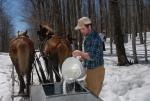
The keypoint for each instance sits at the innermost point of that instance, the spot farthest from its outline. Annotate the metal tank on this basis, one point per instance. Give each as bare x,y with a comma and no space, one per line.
54,92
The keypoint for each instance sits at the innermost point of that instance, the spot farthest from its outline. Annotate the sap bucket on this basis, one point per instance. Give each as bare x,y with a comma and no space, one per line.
72,69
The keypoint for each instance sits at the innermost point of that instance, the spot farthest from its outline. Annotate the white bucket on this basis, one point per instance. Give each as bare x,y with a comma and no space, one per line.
72,69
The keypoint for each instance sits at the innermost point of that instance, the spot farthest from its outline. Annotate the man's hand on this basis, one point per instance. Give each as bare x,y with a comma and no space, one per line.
83,55
76,53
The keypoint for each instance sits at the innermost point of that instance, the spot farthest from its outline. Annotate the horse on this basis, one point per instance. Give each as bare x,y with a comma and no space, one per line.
21,52
55,48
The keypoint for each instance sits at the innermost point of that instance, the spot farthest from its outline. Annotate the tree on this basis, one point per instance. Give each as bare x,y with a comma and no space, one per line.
114,8
5,28
140,18
134,30
145,34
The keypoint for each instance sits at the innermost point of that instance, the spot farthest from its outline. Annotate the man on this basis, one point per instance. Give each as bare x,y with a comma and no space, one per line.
92,55
103,38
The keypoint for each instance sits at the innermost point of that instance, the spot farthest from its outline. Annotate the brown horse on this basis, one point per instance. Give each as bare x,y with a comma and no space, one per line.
22,52
55,49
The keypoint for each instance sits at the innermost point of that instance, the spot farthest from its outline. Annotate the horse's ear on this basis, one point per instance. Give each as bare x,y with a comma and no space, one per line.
18,32
26,32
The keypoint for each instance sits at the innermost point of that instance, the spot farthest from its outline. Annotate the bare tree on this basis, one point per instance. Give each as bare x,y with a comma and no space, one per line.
140,18
122,59
145,33
5,28
134,30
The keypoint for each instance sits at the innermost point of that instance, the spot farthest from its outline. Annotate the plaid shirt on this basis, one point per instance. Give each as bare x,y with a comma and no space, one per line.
92,44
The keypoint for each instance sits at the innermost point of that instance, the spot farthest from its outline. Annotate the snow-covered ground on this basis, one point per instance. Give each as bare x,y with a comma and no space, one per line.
127,83
123,83
5,77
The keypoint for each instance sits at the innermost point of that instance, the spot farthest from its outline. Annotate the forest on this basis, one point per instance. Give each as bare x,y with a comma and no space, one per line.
120,19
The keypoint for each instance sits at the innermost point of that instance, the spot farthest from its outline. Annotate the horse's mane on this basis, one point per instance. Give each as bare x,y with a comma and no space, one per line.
47,26
22,34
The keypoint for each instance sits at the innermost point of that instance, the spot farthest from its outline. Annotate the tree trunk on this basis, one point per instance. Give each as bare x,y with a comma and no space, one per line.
111,43
134,31
140,20
145,46
134,43
101,14
114,8
145,34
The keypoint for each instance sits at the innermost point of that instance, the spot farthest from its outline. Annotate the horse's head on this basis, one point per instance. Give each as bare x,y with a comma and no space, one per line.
25,34
44,32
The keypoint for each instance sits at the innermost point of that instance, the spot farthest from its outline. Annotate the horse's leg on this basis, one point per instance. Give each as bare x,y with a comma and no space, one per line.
21,80
22,84
63,53
28,78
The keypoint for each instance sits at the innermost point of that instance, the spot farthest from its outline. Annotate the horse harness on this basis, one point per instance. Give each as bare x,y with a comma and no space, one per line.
46,40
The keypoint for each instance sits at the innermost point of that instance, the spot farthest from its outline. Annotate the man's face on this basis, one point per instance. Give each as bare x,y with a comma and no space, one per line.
85,30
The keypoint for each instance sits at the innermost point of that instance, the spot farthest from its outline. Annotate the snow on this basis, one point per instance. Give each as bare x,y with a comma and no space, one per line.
5,77
121,83
127,83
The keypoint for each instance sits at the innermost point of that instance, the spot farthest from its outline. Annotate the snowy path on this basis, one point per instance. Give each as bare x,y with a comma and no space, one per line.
5,77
